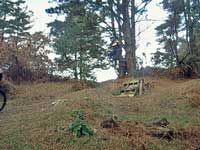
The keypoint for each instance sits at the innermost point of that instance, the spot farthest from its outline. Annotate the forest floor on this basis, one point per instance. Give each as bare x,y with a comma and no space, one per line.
38,116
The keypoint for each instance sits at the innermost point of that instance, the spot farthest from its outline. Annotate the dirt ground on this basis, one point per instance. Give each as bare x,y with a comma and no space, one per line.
38,115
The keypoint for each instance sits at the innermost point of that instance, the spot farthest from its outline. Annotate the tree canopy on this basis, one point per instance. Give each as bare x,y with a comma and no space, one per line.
78,39
179,34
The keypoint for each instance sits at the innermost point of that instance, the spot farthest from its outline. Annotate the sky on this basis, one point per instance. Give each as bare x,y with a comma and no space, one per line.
146,41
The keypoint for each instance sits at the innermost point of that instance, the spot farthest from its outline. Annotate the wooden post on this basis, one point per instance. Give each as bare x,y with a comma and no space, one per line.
141,84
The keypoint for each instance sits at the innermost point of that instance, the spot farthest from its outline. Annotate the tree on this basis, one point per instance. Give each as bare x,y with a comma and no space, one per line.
21,24
15,19
120,18
163,59
169,38
78,39
6,9
30,61
183,17
37,53
24,55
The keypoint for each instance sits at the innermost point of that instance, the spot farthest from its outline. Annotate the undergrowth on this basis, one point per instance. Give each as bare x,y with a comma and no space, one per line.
79,127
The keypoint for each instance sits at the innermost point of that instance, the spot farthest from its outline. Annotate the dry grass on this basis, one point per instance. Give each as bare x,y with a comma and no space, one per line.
195,101
191,135
81,85
192,92
37,117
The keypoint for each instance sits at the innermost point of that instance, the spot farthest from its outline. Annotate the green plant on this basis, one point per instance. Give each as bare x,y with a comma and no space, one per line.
116,92
79,127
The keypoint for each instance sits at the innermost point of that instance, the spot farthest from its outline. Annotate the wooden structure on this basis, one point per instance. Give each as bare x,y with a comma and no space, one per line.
132,88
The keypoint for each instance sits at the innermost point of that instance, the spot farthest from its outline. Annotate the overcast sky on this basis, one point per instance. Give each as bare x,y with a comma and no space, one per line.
146,41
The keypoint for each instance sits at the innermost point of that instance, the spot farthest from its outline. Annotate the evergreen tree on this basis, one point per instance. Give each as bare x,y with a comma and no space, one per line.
6,9
78,40
183,17
21,23
169,38
119,19
14,19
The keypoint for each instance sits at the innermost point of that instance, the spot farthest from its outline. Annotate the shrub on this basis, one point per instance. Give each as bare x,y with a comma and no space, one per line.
180,72
116,92
79,127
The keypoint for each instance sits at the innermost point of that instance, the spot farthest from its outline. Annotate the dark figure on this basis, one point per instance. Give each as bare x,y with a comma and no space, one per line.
1,74
116,56
123,67
116,52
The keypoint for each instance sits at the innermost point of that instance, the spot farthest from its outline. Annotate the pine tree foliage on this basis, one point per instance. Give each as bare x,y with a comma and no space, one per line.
78,39
14,19
179,33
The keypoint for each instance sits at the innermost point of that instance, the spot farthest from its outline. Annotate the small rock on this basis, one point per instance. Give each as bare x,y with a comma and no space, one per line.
95,130
62,128
110,123
157,122
104,138
161,132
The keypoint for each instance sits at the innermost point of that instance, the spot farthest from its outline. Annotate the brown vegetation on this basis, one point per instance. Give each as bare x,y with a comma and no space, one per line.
180,72
83,84
190,134
28,60
195,101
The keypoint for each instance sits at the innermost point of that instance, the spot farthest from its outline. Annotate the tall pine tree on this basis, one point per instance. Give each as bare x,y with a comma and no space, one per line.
183,20
78,39
6,10
21,23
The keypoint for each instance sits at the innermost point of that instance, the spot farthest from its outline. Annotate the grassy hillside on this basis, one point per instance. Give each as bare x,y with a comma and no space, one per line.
38,116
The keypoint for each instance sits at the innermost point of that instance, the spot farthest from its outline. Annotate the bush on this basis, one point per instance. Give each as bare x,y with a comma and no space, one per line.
79,127
116,92
180,72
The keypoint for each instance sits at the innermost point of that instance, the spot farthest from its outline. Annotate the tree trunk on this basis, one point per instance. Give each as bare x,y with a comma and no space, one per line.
81,64
127,37
2,32
75,67
176,39
118,21
133,35
187,29
192,41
